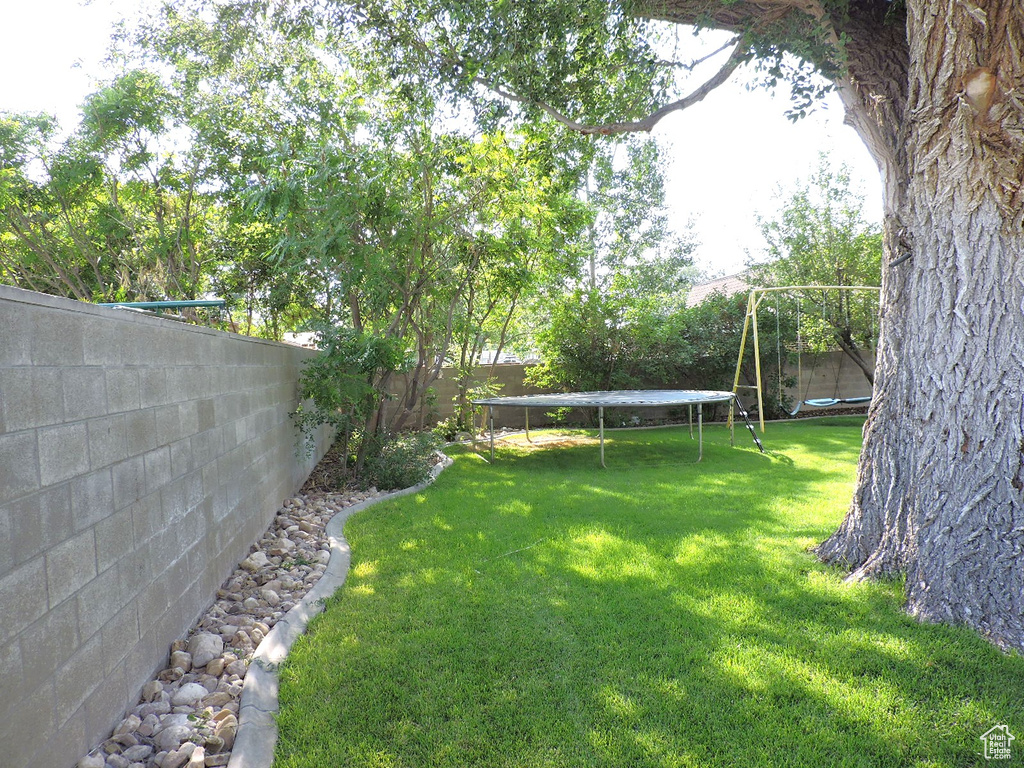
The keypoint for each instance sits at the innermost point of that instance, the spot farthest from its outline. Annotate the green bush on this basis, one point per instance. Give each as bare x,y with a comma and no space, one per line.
401,461
447,429
594,341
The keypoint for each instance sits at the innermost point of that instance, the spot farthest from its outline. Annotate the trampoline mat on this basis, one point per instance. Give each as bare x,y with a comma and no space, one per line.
618,398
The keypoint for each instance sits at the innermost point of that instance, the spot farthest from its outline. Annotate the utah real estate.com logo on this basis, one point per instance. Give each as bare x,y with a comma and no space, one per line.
997,742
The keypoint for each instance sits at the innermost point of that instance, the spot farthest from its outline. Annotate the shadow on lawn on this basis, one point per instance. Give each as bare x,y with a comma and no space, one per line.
545,612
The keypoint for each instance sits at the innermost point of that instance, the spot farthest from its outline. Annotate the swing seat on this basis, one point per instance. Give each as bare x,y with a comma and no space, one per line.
828,402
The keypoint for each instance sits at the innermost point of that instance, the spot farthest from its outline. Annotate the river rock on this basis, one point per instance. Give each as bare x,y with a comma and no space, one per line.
156,708
171,739
225,729
151,691
178,757
150,725
216,699
282,547
177,718
198,758
125,739
255,562
138,753
205,647
129,725
188,695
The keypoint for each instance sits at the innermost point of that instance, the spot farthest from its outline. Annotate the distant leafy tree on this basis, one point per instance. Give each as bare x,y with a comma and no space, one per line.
605,326
630,233
820,237
108,214
598,342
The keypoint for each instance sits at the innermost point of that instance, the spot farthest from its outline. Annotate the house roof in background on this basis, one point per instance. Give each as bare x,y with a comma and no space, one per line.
305,339
727,285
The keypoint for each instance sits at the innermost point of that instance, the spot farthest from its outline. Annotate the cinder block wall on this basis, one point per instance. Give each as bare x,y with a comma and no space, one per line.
509,378
831,374
139,459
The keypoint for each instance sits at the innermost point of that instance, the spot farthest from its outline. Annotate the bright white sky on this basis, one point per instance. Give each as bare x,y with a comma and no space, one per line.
729,156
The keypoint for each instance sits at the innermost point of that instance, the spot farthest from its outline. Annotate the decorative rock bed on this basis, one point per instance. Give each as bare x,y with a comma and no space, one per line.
188,717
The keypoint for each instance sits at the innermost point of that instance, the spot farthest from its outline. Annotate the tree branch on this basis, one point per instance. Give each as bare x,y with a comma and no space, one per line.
646,124
697,62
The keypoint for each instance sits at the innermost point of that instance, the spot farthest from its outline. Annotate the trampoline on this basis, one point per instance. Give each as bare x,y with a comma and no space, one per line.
637,398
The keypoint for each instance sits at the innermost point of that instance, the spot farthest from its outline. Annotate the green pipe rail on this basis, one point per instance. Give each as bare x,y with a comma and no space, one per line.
160,305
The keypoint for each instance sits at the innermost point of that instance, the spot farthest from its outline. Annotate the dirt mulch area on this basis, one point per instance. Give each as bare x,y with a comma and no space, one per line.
329,476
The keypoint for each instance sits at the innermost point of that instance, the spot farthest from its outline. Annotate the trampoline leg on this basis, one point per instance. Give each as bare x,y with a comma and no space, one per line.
732,424
490,419
689,410
600,423
700,431
526,412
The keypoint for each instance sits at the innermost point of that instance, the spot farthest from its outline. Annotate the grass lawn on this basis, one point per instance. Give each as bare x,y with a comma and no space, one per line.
541,611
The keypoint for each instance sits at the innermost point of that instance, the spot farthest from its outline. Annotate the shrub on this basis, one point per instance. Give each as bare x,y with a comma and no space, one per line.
447,429
400,461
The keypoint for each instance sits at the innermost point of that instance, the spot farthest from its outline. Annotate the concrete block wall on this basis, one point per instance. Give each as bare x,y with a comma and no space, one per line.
139,460
830,374
510,380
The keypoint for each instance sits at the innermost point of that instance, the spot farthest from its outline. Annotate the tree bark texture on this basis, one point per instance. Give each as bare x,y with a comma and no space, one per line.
966,314
875,536
939,493
936,90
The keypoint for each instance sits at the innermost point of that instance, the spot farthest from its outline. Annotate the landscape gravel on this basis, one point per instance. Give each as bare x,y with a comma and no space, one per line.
187,716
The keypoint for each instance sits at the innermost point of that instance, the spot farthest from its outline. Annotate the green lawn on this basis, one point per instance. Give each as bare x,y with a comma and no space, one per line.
541,611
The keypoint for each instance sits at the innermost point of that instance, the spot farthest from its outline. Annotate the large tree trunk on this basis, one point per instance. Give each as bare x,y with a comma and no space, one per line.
874,537
939,492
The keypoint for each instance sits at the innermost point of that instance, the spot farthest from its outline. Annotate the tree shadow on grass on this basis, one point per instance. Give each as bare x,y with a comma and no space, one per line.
538,613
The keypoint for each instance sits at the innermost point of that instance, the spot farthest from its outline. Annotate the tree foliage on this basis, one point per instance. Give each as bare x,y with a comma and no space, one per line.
360,194
344,192
930,87
820,237
106,214
612,341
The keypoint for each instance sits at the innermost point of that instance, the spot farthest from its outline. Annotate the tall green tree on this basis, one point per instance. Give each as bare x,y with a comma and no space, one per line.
604,327
932,88
630,232
351,199
820,237
112,213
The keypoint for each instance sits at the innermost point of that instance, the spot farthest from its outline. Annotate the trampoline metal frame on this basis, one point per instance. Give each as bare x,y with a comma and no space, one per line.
616,399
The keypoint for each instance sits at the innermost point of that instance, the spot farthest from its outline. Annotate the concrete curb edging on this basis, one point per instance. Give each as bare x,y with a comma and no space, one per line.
257,724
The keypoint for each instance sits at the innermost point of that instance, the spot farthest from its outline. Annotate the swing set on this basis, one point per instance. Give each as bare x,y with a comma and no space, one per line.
754,299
